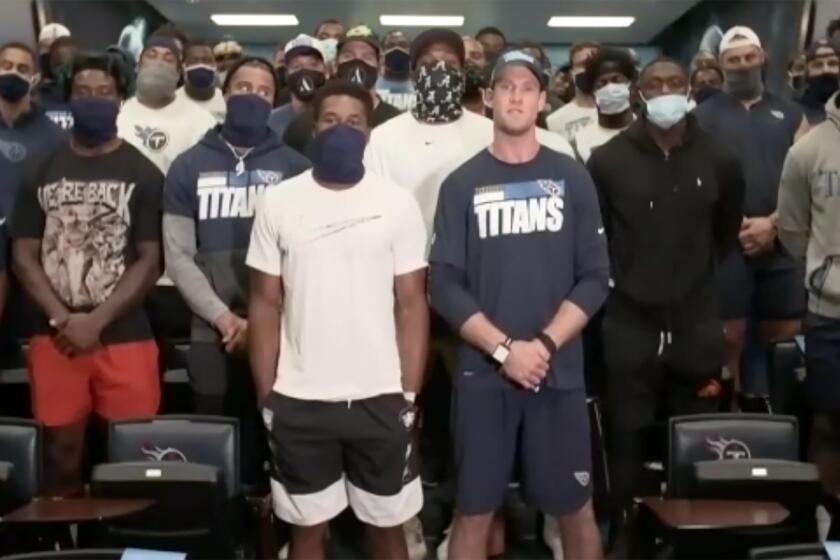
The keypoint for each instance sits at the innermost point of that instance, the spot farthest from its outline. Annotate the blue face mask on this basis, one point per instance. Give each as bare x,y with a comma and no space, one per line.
94,120
337,155
667,110
13,86
201,76
246,122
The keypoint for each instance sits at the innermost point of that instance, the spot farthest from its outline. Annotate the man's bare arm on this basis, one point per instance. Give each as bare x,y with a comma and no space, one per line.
28,268
264,311
411,313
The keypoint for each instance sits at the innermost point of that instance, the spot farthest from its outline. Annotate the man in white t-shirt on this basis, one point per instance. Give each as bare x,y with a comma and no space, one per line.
581,110
339,332
420,148
610,74
156,121
200,80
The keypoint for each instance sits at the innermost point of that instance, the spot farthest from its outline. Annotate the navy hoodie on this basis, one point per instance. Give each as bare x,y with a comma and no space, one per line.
205,185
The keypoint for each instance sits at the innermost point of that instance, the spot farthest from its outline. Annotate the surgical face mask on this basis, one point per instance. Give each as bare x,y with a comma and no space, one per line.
330,49
201,76
337,155
246,120
745,84
666,111
304,83
94,120
157,81
358,72
14,86
613,99
397,63
821,88
440,91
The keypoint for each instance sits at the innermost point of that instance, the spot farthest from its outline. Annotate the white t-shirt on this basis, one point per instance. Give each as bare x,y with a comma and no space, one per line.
216,105
590,137
163,134
419,156
338,253
570,118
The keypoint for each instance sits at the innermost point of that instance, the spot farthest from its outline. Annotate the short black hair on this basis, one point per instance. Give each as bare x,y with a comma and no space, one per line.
833,27
327,21
173,32
254,61
490,30
111,65
576,48
21,47
194,43
336,87
662,60
704,66
619,59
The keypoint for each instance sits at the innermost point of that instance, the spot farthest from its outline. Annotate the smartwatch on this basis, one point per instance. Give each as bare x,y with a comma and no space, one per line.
502,351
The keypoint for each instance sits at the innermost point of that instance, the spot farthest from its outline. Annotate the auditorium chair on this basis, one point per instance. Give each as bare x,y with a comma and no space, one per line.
806,551
768,448
21,446
173,457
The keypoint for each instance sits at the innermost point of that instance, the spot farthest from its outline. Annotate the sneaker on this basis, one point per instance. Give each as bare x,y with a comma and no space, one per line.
414,539
443,547
551,537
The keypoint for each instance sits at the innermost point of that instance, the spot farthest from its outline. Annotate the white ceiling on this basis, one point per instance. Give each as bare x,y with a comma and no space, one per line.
519,19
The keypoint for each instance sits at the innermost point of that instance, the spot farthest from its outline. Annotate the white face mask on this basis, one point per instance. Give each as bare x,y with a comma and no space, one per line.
667,110
613,99
330,48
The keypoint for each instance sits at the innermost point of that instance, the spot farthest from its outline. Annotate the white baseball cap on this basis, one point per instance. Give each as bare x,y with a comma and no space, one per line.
739,36
303,43
53,31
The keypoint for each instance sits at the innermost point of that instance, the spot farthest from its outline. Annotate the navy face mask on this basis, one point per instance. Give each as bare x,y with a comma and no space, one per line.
13,86
337,155
94,120
246,122
398,62
201,76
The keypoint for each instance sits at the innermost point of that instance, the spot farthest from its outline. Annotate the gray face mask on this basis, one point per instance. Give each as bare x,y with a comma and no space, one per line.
156,82
744,84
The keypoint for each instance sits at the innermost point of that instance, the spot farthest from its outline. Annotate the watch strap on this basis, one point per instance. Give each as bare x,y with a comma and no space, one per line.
548,342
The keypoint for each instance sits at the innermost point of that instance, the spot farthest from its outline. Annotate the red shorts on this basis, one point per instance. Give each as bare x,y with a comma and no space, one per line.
115,381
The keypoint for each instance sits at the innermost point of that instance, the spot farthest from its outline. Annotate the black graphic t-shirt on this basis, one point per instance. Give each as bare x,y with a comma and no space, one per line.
90,213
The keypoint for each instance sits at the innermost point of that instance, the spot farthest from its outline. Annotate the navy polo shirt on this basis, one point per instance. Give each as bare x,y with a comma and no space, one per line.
759,137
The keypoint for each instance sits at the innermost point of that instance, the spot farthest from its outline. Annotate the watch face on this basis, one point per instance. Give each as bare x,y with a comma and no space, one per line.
500,354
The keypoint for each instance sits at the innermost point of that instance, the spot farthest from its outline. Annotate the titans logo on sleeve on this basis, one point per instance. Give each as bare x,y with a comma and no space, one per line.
225,194
519,208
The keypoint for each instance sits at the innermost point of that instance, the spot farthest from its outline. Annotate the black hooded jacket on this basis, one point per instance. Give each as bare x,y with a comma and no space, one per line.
669,217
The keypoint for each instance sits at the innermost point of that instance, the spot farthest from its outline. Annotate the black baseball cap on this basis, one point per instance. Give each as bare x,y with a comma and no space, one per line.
437,35
519,58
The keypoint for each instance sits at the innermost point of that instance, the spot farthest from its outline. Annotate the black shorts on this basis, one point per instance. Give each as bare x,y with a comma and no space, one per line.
760,291
494,421
822,363
326,455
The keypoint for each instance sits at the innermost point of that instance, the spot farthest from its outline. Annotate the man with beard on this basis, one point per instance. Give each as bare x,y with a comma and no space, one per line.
206,232
305,74
200,79
358,63
88,256
822,70
762,299
519,391
156,121
474,79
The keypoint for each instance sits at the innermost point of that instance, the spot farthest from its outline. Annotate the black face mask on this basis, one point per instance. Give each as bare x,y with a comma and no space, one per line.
281,77
397,63
819,89
705,93
44,65
580,81
304,83
358,72
13,86
474,80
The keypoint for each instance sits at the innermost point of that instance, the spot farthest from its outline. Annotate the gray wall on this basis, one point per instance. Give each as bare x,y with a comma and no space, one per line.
16,21
826,10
